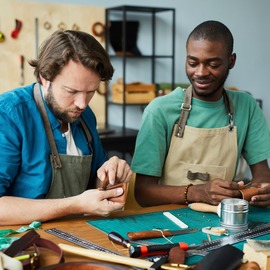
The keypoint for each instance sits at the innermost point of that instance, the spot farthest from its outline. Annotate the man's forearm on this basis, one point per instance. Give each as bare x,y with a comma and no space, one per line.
14,210
260,172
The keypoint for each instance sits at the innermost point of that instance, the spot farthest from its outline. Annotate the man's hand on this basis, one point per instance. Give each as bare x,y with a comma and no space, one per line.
96,202
218,189
116,170
263,198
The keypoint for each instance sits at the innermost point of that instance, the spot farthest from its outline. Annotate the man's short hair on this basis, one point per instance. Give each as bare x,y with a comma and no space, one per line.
213,31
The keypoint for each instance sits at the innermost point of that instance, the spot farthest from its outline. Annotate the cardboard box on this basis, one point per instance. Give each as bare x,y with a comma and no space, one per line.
135,93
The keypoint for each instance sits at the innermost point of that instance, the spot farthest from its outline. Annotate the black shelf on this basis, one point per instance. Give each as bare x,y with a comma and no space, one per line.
122,13
139,9
141,56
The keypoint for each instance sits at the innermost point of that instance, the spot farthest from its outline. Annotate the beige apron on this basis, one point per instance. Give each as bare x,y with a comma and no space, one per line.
197,155
70,174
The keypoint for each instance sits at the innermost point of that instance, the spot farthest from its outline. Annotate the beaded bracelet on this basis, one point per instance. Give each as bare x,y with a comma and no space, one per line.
186,192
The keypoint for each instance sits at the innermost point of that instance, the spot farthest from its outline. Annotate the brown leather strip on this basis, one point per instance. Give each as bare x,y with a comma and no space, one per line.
198,175
23,243
32,238
47,126
185,109
45,243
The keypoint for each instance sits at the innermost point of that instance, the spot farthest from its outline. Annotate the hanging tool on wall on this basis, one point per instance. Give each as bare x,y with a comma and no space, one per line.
22,69
16,31
98,29
2,36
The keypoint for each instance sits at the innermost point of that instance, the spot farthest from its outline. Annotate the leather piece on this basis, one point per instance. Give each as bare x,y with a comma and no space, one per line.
84,266
227,257
32,240
123,197
248,193
177,255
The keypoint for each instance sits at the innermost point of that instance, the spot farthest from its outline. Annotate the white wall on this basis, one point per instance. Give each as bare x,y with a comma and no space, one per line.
249,22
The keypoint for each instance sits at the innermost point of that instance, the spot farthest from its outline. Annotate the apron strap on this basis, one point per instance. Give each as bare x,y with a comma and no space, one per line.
185,109
46,122
230,109
88,134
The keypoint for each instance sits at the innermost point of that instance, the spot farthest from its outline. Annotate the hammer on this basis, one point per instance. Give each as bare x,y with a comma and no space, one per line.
104,256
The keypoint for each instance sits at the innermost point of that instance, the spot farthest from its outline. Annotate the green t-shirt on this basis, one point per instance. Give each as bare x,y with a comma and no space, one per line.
153,140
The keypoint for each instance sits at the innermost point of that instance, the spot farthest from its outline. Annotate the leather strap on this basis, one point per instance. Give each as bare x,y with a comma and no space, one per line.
47,125
32,238
185,109
23,243
197,175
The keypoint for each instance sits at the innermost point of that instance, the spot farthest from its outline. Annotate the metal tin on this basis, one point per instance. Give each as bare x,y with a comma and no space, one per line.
234,214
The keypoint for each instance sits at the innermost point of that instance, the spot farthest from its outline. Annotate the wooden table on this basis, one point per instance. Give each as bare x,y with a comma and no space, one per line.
77,226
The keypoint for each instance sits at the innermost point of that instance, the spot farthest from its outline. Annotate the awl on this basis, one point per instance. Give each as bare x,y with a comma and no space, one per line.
157,233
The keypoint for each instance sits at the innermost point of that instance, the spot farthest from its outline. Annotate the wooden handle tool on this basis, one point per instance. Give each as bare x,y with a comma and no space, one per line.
147,234
104,256
204,207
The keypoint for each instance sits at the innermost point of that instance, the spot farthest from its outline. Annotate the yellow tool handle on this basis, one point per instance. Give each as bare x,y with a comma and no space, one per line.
204,207
104,256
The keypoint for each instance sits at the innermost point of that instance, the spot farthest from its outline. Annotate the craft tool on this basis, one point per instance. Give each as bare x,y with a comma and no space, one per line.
144,251
87,244
18,25
104,256
176,220
233,239
118,239
218,231
78,241
204,207
203,248
176,266
22,69
157,233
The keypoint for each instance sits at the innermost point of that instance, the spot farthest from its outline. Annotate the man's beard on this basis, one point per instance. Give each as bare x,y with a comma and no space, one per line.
59,113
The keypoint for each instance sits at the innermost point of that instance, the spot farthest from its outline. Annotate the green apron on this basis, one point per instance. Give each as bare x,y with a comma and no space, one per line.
70,174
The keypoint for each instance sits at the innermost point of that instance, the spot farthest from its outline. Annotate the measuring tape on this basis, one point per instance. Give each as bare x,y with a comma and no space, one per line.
236,238
79,241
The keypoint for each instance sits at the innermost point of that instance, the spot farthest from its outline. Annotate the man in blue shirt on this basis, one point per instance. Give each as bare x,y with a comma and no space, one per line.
51,154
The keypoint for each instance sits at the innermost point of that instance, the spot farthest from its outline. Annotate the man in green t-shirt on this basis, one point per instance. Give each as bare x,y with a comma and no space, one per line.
191,140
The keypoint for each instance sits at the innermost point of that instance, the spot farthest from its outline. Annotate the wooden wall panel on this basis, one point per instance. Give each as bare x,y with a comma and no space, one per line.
33,17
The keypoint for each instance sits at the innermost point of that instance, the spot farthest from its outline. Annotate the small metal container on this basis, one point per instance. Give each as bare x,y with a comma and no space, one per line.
234,214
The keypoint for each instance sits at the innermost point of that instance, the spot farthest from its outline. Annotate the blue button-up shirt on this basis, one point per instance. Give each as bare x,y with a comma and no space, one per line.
25,169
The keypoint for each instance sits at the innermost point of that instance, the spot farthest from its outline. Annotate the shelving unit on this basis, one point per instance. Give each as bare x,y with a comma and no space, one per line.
124,13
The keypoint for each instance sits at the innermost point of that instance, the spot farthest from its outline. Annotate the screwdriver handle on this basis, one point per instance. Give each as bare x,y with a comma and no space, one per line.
144,251
118,239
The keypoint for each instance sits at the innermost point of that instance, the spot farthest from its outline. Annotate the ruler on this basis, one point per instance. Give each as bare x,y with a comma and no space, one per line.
79,241
233,239
89,245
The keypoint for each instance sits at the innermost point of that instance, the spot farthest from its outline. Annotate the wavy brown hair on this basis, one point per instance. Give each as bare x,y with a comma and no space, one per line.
62,46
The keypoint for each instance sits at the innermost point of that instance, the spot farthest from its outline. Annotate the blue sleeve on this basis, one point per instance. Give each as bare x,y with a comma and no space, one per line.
10,149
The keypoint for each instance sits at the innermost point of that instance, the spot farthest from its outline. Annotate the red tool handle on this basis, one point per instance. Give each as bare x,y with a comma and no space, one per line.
144,251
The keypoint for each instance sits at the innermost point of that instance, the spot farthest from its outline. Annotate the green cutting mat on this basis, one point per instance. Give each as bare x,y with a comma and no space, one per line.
193,219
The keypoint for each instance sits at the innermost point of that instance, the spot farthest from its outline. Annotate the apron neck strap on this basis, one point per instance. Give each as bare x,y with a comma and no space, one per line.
186,107
47,126
230,109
